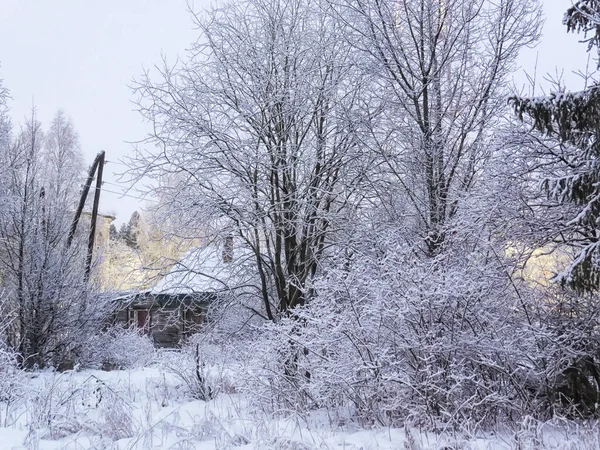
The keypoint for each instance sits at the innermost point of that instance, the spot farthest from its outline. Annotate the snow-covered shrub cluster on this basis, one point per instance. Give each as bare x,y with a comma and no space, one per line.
12,386
205,364
398,339
61,407
117,348
450,343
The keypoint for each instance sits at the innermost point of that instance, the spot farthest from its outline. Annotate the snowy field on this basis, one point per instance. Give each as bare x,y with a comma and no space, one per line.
152,407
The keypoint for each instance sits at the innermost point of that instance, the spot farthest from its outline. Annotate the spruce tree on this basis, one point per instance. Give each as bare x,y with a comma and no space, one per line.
113,233
129,231
573,119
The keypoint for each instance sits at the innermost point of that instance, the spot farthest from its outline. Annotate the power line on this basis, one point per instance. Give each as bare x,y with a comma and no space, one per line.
127,195
112,184
120,194
117,163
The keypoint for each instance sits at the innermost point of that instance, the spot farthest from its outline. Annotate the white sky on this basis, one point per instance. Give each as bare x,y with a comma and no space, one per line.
80,55
558,51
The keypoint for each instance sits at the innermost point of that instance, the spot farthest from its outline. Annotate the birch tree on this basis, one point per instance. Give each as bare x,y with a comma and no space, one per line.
5,122
63,161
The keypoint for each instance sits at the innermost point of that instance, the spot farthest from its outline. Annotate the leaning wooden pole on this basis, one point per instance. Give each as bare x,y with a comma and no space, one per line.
88,262
82,199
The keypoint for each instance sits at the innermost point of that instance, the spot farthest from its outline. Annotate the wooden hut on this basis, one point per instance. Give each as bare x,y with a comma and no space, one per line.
178,305
168,318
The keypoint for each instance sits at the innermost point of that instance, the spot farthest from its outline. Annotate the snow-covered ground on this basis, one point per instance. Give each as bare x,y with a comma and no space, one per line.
152,408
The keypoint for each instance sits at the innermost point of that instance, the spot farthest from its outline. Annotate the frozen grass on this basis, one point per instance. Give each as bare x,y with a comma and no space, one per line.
155,408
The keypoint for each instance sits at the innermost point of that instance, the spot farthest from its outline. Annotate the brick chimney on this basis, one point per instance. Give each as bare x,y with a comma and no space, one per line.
228,249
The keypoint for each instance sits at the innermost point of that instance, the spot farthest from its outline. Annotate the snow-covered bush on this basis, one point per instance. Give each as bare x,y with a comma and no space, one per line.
12,387
200,365
459,341
437,343
62,406
118,348
9,366
567,376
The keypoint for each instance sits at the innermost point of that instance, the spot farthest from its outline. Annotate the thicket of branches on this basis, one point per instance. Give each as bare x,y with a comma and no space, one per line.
48,308
365,153
365,159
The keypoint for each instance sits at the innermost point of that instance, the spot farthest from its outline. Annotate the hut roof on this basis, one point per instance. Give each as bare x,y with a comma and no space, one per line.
204,270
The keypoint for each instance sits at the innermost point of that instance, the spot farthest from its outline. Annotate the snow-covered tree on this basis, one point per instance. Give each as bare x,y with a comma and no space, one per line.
420,316
560,152
130,231
440,70
255,135
571,154
48,299
584,16
63,161
113,233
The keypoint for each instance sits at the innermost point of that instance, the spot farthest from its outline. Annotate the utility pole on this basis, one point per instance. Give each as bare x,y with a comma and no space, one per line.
98,165
88,262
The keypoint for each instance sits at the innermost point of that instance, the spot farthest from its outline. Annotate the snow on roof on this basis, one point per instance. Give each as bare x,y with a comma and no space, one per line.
203,269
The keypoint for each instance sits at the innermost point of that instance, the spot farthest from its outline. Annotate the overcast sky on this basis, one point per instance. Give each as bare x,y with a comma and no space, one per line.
80,55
